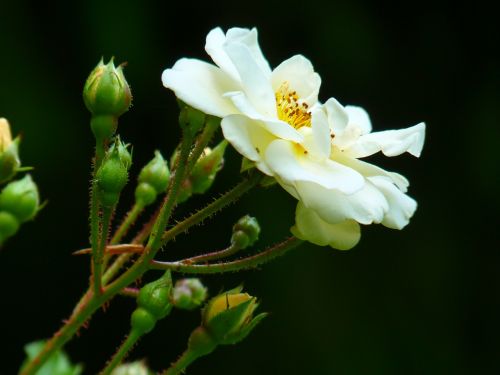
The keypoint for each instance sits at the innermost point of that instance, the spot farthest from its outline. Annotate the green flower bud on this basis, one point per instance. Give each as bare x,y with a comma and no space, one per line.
228,318
188,294
20,198
206,168
245,232
155,297
106,91
133,368
153,180
142,321
191,119
112,175
8,226
9,155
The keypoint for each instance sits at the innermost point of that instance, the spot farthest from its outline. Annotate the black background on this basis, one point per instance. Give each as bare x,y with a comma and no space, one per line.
419,301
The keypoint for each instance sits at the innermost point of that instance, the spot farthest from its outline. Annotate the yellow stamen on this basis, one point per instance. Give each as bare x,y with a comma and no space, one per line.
290,108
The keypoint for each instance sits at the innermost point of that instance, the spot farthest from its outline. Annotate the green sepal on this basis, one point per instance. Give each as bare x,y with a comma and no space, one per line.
246,329
57,364
246,164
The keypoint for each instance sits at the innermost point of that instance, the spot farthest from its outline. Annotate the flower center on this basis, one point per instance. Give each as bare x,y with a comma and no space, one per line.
290,108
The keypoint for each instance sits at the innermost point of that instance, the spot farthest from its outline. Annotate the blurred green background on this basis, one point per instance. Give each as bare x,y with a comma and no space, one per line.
424,300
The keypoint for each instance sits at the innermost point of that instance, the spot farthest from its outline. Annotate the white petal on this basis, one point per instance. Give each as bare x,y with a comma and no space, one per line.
310,227
390,142
359,118
366,206
250,39
214,47
249,138
401,206
291,163
256,85
337,116
201,85
299,73
321,133
370,170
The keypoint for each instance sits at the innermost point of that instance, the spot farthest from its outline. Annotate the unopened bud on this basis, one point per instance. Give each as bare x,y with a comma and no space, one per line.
20,198
155,296
9,155
142,321
153,180
206,168
112,175
228,318
245,232
107,96
188,294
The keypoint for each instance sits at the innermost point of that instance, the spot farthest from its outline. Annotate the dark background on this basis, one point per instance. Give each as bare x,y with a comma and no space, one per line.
424,300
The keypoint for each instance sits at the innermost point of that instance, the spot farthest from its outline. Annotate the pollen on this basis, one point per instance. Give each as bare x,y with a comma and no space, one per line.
290,108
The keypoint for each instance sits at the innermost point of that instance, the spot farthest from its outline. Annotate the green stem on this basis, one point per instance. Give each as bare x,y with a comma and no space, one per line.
121,353
181,364
130,292
130,219
98,251
237,265
202,141
228,198
231,250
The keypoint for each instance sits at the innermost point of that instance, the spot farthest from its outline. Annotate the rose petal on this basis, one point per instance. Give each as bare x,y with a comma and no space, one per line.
310,227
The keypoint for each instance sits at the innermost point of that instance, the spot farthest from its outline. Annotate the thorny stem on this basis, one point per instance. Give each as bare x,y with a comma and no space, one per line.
181,364
98,252
226,199
90,302
121,353
237,265
130,219
231,250
130,292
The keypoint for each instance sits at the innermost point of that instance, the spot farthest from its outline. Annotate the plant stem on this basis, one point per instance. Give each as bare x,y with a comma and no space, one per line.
130,219
90,302
228,198
231,250
237,265
98,251
121,353
202,142
181,364
130,292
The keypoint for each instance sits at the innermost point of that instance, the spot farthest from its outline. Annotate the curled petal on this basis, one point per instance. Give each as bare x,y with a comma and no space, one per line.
370,170
390,142
291,163
359,118
401,206
299,74
366,206
310,227
337,116
201,85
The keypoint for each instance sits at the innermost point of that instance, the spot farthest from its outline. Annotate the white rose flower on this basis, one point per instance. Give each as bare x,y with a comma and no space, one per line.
329,216
273,118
